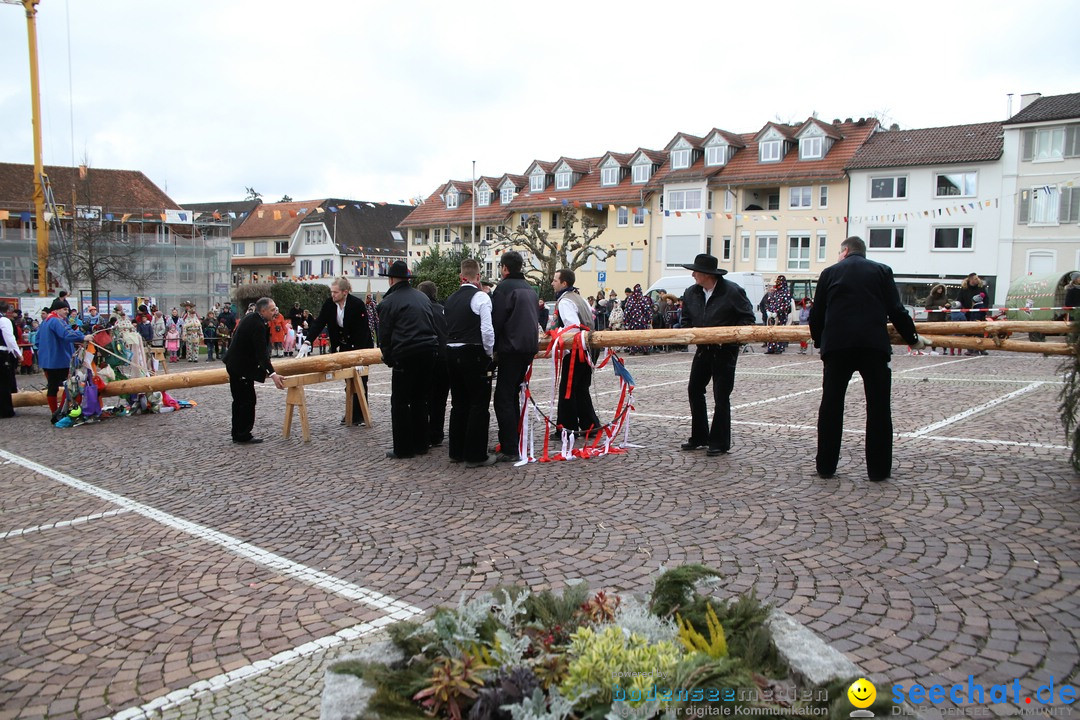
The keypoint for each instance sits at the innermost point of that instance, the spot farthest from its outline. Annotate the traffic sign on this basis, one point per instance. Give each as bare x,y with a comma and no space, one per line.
601,276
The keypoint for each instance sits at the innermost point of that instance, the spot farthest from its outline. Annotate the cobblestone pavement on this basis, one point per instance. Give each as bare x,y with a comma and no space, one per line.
149,560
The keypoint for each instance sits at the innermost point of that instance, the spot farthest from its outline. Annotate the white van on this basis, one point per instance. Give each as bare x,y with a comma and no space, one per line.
753,283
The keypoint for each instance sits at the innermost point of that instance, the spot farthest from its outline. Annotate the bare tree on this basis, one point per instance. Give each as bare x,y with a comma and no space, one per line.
93,249
550,253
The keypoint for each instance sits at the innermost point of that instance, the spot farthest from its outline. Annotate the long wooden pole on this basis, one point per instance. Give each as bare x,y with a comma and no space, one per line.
620,338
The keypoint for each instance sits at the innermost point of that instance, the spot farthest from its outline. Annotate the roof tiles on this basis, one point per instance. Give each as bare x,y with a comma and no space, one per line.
980,142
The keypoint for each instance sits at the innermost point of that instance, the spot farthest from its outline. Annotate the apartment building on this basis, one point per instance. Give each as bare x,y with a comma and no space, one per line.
928,204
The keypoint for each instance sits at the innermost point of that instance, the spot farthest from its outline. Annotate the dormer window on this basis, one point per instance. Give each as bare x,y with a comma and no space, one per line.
770,150
562,180
609,176
811,148
716,155
483,195
507,194
680,159
451,200
642,172
537,180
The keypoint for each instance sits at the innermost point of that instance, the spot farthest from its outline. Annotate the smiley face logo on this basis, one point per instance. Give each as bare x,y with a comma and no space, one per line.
862,693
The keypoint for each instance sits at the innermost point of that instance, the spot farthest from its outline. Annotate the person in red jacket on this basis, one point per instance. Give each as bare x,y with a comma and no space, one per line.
277,334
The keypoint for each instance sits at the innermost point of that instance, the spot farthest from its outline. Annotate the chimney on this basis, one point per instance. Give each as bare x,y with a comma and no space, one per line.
1028,98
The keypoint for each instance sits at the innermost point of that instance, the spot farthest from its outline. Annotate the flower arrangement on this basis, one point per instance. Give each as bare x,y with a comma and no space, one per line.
517,655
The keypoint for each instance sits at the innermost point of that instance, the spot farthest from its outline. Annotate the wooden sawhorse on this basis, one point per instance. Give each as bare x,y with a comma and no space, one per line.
159,354
294,397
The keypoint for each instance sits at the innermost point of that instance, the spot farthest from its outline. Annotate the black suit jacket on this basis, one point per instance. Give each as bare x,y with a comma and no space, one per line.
249,353
355,335
854,300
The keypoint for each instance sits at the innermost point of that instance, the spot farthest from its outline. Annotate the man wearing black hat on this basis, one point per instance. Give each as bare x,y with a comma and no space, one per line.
408,342
712,302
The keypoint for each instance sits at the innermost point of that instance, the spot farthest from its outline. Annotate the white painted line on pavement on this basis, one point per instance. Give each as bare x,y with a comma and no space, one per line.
397,609
62,523
971,411
938,364
176,698
780,397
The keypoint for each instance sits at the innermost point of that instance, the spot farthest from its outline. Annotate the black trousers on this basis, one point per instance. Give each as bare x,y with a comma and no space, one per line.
874,368
243,406
576,412
715,364
512,369
54,380
7,386
470,397
440,390
410,392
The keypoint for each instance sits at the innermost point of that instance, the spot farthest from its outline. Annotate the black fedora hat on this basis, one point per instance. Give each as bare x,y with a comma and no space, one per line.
704,263
398,269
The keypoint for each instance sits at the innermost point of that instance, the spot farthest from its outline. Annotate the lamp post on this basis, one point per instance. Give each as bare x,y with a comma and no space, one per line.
39,169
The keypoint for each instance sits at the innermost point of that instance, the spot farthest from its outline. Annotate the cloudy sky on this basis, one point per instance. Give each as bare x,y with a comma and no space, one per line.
384,101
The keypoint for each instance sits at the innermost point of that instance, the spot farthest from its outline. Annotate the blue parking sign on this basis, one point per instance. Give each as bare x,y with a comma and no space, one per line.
601,276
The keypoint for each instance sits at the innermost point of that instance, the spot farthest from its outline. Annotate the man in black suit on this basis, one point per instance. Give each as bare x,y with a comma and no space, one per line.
408,342
345,318
854,299
248,362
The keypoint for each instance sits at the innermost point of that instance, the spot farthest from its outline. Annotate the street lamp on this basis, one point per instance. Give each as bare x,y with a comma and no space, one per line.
39,169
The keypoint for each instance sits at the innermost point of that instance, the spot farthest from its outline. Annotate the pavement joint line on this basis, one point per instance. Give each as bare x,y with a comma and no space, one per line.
62,523
971,411
302,573
176,698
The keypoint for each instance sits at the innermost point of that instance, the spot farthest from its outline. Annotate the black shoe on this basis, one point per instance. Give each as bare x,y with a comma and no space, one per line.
489,460
455,460
714,451
825,475
692,445
249,441
878,478
503,457
435,443
394,456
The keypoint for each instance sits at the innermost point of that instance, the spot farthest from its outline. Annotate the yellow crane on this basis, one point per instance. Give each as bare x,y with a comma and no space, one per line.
39,168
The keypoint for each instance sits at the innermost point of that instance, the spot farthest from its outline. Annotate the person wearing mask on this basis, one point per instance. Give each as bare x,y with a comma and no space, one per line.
470,344
515,317
56,345
854,299
712,302
408,343
248,362
575,408
345,318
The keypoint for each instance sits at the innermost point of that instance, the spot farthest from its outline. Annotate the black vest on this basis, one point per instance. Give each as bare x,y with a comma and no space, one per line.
462,324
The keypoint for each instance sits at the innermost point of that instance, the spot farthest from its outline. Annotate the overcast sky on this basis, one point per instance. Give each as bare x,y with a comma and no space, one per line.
385,101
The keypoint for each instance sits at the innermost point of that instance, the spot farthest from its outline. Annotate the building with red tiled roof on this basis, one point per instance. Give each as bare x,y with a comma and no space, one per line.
926,203
140,242
260,245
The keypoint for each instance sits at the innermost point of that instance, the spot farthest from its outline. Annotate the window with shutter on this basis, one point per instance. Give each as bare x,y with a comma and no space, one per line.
1072,141
1069,211
1029,145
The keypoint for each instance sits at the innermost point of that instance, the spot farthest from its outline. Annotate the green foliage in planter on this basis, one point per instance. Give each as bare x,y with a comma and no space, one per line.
693,641
452,687
699,672
408,636
550,609
596,656
510,687
394,686
1070,395
742,619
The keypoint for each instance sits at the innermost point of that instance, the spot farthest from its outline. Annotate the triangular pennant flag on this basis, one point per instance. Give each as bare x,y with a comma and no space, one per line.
332,209
48,216
183,217
126,217
232,215
162,217
108,216
5,215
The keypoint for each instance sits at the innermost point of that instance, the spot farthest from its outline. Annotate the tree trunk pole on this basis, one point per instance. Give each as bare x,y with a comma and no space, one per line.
620,338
